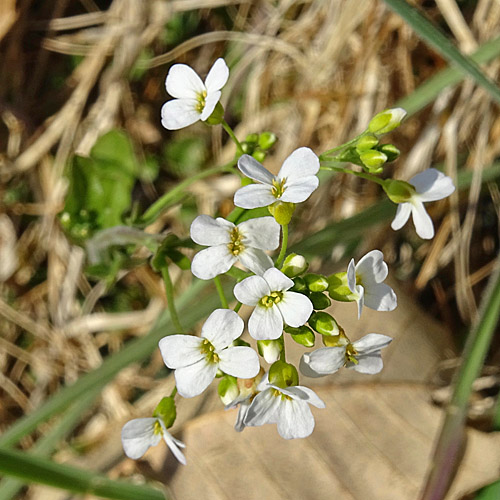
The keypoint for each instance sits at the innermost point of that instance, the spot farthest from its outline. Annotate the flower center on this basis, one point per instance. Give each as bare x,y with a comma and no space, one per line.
209,351
236,245
271,299
200,101
278,188
157,428
350,354
277,394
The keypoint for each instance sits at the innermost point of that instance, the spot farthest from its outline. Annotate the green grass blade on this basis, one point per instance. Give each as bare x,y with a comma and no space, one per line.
428,32
490,492
35,469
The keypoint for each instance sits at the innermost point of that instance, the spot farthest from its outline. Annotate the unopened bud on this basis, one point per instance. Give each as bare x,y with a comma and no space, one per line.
299,286
339,288
391,151
283,374
282,211
368,141
228,389
270,350
294,265
166,411
303,335
260,156
324,323
316,282
386,120
319,300
398,191
373,160
267,140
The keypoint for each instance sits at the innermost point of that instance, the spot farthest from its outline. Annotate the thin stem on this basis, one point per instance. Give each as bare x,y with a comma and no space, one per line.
282,353
231,134
323,156
284,244
174,391
237,307
363,175
220,291
169,290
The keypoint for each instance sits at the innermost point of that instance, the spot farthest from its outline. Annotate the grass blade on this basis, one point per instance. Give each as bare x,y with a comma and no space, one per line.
433,36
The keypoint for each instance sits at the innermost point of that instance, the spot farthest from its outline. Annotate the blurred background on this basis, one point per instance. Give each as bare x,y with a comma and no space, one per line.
82,151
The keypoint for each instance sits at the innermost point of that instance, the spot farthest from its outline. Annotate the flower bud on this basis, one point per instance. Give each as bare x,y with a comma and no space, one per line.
283,374
338,287
398,191
294,265
217,115
303,335
228,389
316,282
386,120
270,350
267,140
166,411
373,160
252,139
260,156
282,211
336,340
367,142
319,300
391,151
299,286
324,323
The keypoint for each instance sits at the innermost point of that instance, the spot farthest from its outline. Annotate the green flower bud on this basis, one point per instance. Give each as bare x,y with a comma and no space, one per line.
252,139
282,211
391,151
217,115
260,156
299,286
319,300
338,287
240,343
324,323
228,389
316,282
350,155
294,265
166,411
386,120
367,142
283,374
270,350
247,148
336,340
398,191
303,335
373,160
267,140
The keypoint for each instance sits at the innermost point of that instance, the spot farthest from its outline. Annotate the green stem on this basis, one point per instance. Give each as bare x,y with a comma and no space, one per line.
323,156
220,291
282,353
237,307
174,391
231,134
169,290
284,244
363,175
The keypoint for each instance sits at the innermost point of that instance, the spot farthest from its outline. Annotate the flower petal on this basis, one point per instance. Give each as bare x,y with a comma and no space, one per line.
254,196
210,102
301,163
183,82
371,268
179,113
250,167
295,419
295,308
240,362
432,185
402,216
194,379
422,221
371,343
212,261
369,364
206,230
323,361
261,232
239,425
256,260
138,435
180,350
298,190
222,327
361,299
217,76
263,409
381,297
265,323
276,280
304,394
251,290
173,445
351,276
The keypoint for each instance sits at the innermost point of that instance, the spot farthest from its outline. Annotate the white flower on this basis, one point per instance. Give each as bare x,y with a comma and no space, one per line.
195,100
140,434
430,185
294,183
289,408
274,305
363,356
196,360
228,244
365,280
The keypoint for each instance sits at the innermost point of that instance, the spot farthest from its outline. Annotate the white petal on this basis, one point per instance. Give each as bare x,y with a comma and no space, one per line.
371,268
361,299
173,445
179,113
298,190
304,394
263,409
295,419
251,290
212,261
265,323
402,216
239,425
183,82
432,185
381,298
276,280
250,167
206,230
240,362
369,364
194,379
351,276
210,102
180,350
301,163
217,76
222,327
322,361
261,232
254,196
256,260
422,221
295,308
371,343
138,436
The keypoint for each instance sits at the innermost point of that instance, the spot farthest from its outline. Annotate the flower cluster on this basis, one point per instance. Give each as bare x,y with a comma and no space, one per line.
285,299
